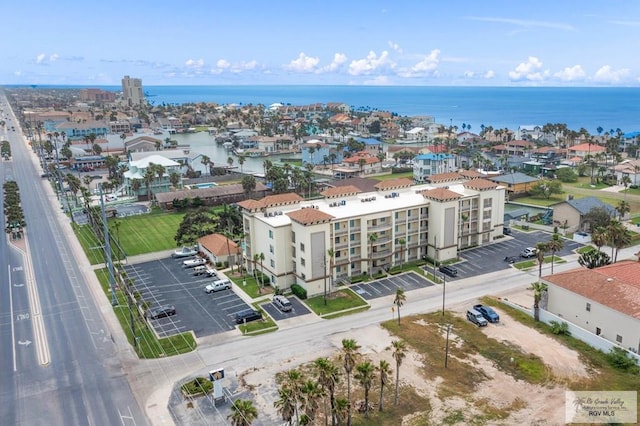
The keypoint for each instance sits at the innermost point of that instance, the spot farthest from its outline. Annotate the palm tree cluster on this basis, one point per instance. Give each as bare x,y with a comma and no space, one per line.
308,394
615,235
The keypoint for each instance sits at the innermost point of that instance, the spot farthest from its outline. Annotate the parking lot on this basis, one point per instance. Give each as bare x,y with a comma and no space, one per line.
274,312
490,258
388,286
167,282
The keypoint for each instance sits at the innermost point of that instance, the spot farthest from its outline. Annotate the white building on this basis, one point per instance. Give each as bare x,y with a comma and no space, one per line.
132,93
368,232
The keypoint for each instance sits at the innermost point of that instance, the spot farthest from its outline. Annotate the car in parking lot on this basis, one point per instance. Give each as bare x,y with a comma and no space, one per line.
247,316
192,263
452,271
476,318
511,259
282,303
218,286
528,252
184,252
161,312
488,313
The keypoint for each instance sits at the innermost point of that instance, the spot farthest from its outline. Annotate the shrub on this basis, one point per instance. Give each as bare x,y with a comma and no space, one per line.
619,359
560,328
197,386
299,291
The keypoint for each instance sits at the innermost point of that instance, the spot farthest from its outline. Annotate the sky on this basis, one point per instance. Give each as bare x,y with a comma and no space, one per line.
328,42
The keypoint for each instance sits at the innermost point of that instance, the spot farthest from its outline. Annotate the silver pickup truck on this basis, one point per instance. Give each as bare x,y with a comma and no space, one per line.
191,263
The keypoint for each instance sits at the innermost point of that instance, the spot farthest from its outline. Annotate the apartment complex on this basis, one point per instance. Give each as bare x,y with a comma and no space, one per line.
350,232
132,91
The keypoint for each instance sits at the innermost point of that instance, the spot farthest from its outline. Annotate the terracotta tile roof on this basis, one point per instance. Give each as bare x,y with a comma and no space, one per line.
444,177
480,184
616,286
394,183
271,201
440,194
217,244
586,147
309,216
356,160
471,174
340,191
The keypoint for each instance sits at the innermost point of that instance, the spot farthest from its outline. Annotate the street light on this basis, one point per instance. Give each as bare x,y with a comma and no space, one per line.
444,286
107,248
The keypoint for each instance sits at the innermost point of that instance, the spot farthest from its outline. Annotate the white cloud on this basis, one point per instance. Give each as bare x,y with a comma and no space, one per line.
53,57
194,63
395,46
426,67
223,64
574,73
380,80
524,23
610,76
338,60
40,58
489,74
370,64
469,74
530,70
303,63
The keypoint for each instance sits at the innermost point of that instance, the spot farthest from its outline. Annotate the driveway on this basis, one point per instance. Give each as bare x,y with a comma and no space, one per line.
298,309
388,286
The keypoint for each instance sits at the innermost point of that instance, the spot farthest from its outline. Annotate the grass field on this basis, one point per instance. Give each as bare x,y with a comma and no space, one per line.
146,233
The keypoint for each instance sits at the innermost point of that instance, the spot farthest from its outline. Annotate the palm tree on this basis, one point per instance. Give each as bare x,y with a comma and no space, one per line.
261,258
328,377
538,289
619,237
241,162
341,409
599,237
349,354
401,243
554,245
256,259
230,161
399,300
623,207
384,370
243,413
311,392
205,160
398,352
331,253
541,250
364,375
291,387
372,239
286,404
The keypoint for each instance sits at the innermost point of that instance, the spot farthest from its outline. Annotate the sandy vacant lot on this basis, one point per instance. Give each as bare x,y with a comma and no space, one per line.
529,404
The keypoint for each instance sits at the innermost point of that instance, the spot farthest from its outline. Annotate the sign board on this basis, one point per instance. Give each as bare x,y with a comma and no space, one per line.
216,374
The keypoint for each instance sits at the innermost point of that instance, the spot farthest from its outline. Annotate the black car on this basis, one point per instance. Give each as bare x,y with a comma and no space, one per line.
248,315
449,270
161,312
511,259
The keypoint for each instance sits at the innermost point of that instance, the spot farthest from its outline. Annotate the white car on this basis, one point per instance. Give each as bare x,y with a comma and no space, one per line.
529,252
192,263
185,252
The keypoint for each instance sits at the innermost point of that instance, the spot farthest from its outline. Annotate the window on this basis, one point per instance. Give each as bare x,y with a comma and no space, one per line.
271,249
352,223
293,237
302,247
352,237
598,331
302,261
337,253
271,234
618,338
273,263
588,307
336,226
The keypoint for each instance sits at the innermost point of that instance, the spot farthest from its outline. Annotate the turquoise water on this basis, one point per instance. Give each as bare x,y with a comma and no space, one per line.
204,185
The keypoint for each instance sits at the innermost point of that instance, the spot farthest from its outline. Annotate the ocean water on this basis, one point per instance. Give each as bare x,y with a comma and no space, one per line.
511,107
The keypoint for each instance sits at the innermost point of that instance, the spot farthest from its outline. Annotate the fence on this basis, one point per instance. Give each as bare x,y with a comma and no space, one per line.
546,228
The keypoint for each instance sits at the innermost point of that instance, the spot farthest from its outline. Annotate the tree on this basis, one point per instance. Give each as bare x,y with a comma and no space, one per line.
364,375
541,250
248,184
594,259
597,217
545,188
195,224
619,237
331,254
261,258
243,413
554,245
566,174
241,162
349,354
599,237
384,371
538,290
328,377
230,161
399,300
290,395
310,393
623,208
401,242
372,239
285,404
398,352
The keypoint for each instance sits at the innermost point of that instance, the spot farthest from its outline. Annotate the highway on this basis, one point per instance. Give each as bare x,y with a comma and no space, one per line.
58,361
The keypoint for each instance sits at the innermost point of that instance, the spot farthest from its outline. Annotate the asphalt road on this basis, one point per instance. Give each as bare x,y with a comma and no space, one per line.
59,363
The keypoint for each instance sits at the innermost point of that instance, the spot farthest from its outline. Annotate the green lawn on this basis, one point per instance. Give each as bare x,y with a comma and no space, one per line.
528,264
408,175
266,325
585,183
337,301
535,201
146,233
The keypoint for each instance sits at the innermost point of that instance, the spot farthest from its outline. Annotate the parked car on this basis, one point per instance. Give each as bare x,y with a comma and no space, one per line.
511,259
185,252
449,270
282,303
161,312
488,313
248,315
192,263
476,318
528,252
217,286
506,230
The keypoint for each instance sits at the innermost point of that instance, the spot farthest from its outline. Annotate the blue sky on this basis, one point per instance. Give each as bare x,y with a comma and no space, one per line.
351,42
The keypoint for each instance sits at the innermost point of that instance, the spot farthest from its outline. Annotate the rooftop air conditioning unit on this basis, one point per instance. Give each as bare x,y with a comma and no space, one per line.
344,202
280,213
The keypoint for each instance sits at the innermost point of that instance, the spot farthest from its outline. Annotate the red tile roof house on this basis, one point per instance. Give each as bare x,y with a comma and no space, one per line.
219,249
604,302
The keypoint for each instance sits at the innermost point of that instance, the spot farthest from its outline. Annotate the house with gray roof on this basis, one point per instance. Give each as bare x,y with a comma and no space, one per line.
573,211
516,183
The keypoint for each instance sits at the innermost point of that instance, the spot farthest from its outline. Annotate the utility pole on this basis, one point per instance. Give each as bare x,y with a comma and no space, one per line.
107,248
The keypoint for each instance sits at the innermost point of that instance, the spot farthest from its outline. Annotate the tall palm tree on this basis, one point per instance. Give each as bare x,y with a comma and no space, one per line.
349,354
372,239
399,300
538,289
364,375
261,258
541,250
331,254
328,377
285,404
384,371
401,243
554,245
241,162
599,237
243,413
293,384
311,392
398,352
341,409
619,237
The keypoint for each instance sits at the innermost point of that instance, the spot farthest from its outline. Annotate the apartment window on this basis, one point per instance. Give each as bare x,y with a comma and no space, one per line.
409,213
302,247
487,202
352,223
598,331
271,249
383,219
337,254
336,226
353,250
397,215
589,307
352,237
271,234
303,275
618,338
302,262
273,263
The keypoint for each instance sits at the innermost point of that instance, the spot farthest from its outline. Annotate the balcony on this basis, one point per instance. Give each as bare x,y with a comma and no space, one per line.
341,231
381,253
386,225
341,244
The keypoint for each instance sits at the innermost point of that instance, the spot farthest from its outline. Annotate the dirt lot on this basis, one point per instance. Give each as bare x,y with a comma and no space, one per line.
528,403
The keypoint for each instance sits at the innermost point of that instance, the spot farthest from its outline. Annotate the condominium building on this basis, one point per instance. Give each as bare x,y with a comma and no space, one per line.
132,93
321,242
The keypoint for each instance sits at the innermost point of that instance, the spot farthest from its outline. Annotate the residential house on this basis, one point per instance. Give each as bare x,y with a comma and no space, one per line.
516,183
530,132
212,196
585,149
359,164
604,301
219,249
367,231
630,168
78,131
142,144
152,184
425,165
573,211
